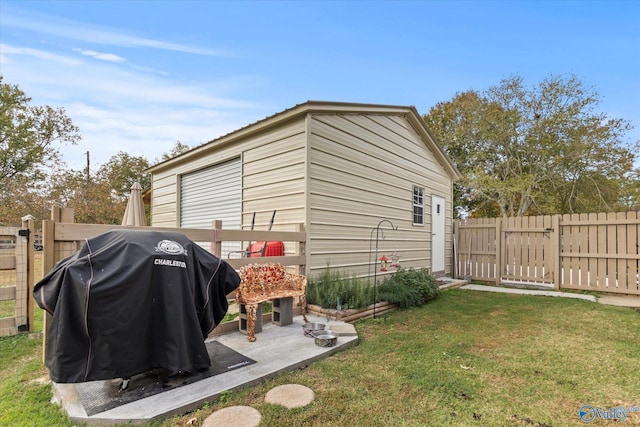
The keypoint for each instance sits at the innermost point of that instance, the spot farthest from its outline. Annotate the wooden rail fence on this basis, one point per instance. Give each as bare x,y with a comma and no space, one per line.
16,278
593,252
62,237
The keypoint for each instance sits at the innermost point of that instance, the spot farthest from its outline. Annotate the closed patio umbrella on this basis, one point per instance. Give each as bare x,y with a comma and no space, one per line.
134,213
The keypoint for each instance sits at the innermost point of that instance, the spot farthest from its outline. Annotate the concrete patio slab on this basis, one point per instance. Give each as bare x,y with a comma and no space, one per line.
276,349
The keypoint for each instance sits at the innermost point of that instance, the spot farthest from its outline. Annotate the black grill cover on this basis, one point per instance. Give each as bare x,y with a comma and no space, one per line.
131,301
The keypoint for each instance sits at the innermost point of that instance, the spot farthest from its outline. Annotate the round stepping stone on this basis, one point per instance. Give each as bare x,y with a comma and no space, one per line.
234,416
290,396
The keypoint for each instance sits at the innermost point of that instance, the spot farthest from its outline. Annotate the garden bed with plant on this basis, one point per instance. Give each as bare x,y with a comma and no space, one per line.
336,295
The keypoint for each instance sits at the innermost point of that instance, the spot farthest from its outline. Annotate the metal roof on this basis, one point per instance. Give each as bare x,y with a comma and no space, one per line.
316,107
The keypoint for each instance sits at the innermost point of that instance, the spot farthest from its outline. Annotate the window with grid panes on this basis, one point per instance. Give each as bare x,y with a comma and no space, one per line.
418,205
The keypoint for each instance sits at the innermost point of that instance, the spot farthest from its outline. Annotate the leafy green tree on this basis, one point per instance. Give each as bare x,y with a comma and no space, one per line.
460,126
93,201
101,199
30,138
30,135
97,198
534,150
23,197
177,149
632,191
122,170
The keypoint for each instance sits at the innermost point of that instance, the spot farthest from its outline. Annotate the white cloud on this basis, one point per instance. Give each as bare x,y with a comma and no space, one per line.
104,82
100,55
8,50
74,30
121,103
148,133
124,109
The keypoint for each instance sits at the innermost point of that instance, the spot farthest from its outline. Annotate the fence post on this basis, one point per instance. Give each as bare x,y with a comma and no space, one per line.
299,249
454,248
49,257
554,236
28,224
498,264
50,252
216,245
21,320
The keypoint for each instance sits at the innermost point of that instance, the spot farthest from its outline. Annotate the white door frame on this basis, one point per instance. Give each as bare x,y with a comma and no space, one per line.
438,234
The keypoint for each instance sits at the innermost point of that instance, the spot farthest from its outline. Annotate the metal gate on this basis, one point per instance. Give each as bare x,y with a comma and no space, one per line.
16,278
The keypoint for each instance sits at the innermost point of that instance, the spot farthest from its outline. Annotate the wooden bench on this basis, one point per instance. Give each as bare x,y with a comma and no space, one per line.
265,282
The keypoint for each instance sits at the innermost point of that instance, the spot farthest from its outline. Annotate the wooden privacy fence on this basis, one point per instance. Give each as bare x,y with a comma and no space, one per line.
595,252
16,278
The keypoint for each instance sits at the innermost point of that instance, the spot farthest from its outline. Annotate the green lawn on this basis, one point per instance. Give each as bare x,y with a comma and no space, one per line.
467,358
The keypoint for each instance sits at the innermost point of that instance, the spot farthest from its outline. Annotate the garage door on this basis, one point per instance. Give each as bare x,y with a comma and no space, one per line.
210,194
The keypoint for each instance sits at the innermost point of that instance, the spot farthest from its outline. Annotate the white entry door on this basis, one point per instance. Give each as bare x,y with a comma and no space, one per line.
437,233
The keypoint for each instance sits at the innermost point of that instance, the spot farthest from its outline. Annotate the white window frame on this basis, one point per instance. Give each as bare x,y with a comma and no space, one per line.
418,205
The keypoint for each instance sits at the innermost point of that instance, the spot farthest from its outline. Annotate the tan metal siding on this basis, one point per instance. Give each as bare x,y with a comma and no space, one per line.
335,169
362,170
289,141
274,180
268,186
163,200
271,160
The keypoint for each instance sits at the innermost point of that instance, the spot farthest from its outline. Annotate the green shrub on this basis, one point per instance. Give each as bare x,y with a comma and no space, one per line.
398,293
333,288
409,288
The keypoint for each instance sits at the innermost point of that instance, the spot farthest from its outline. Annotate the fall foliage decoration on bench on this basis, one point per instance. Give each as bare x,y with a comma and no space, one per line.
264,282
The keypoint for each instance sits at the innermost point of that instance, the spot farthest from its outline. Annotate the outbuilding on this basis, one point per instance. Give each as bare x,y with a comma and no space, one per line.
350,173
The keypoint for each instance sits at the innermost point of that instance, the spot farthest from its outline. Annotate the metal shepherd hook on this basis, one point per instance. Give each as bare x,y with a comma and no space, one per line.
378,231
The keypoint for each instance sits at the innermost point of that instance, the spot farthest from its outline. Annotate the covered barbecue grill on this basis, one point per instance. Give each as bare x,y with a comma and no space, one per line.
131,301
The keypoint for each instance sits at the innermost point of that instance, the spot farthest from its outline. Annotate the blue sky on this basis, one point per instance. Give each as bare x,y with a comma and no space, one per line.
137,76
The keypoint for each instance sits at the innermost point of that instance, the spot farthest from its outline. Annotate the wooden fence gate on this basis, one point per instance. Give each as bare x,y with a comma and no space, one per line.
595,252
16,278
527,250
